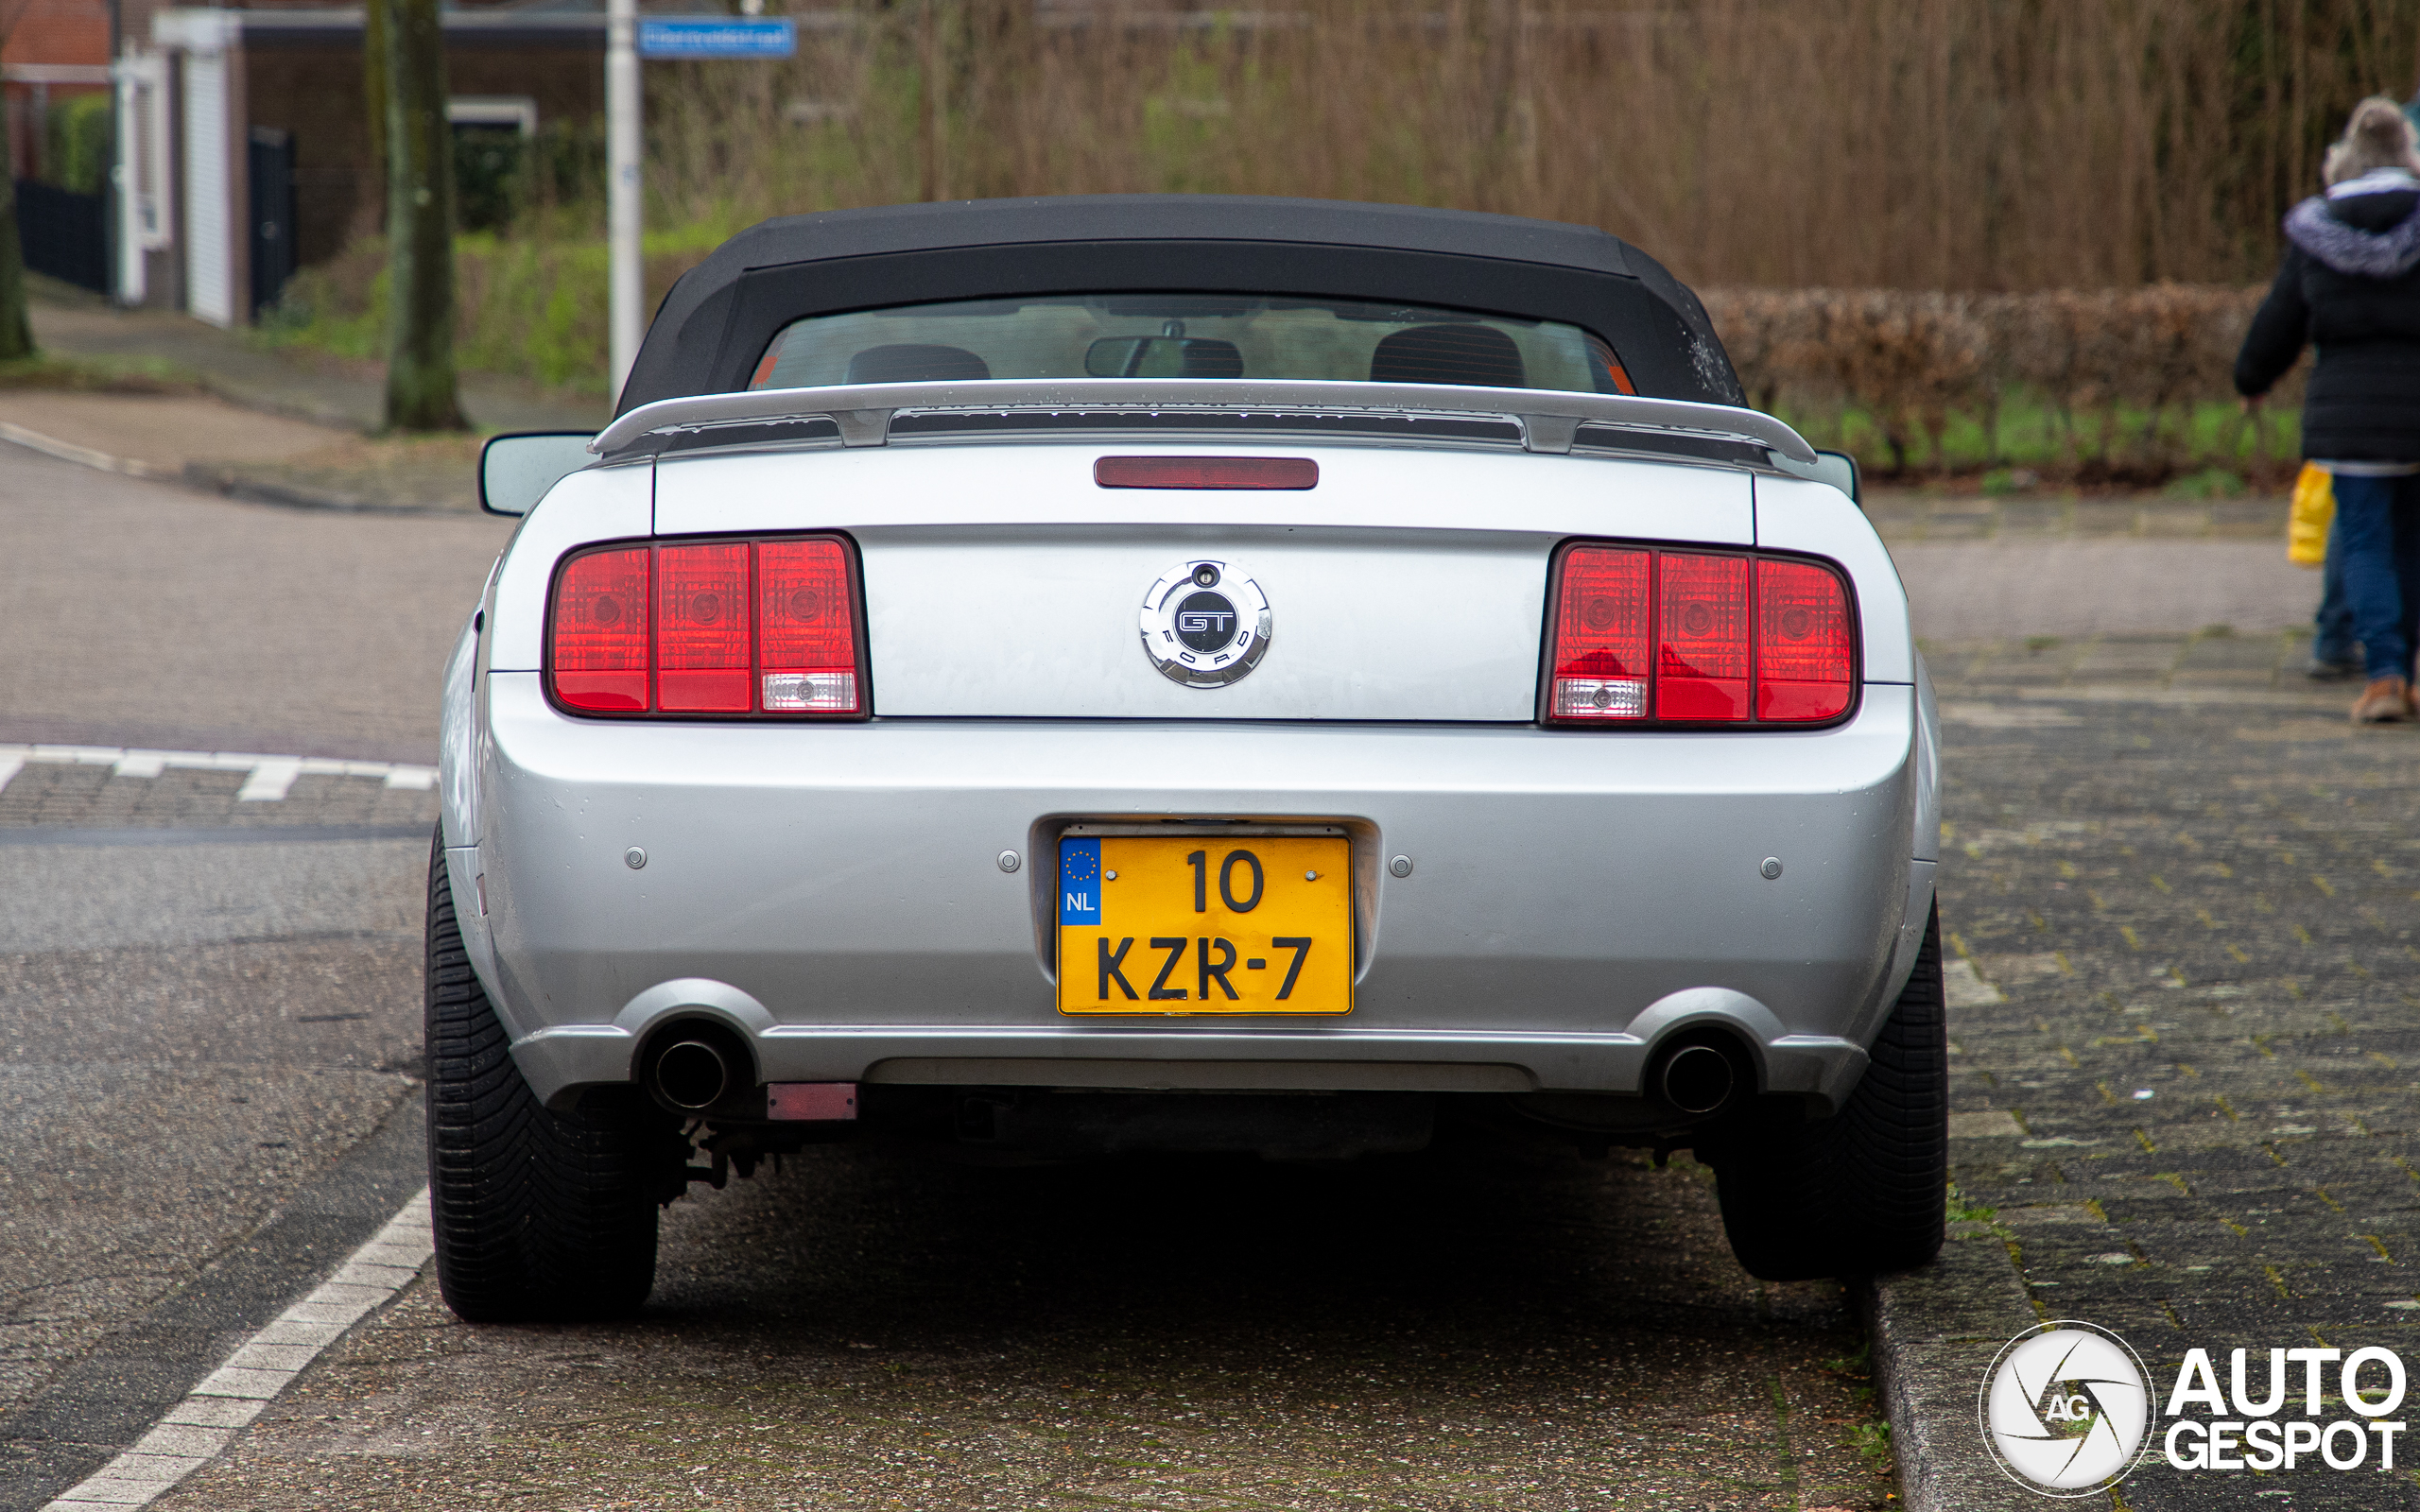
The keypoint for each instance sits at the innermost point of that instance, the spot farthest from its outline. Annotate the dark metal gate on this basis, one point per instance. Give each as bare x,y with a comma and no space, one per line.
271,162
66,234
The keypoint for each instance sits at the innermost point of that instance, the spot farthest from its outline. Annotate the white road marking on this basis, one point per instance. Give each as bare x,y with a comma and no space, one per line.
269,782
198,1428
1996,1124
1966,990
268,779
2005,716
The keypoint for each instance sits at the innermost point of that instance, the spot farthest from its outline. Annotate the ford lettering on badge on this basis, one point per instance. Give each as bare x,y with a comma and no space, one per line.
1206,624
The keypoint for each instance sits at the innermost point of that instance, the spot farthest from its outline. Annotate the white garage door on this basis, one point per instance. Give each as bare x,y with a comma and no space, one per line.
209,271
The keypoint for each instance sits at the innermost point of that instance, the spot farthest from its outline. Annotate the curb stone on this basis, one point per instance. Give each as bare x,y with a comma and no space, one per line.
83,455
1934,1332
230,484
214,478
206,1423
101,1404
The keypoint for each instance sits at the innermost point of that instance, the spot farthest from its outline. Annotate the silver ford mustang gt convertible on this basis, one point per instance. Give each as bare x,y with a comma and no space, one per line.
1083,677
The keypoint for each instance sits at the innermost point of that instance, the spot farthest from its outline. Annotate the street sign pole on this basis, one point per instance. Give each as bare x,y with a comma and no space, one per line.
627,41
623,138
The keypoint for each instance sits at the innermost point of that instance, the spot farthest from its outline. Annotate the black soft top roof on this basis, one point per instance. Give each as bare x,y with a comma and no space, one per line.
716,321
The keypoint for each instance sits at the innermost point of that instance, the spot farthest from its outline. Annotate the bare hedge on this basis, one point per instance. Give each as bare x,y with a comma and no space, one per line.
2121,371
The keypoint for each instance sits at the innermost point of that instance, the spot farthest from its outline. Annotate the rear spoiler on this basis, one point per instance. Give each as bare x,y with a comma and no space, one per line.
1549,420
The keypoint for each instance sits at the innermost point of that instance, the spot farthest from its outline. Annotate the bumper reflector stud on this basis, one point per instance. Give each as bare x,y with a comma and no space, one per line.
812,1102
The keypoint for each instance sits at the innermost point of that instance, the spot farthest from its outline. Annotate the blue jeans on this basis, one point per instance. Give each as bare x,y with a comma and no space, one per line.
2332,638
2378,535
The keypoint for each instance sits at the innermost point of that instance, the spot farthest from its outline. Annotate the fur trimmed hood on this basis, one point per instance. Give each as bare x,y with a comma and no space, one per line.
2390,253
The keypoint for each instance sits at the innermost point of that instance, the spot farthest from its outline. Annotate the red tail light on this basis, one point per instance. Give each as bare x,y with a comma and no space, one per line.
1805,657
601,640
740,628
1701,637
701,630
1605,635
807,635
1642,636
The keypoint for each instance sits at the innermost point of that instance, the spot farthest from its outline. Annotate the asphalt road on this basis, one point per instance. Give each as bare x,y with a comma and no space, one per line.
205,1019
133,614
191,1034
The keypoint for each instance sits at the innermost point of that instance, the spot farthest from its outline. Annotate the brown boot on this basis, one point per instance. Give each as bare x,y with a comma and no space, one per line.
2385,701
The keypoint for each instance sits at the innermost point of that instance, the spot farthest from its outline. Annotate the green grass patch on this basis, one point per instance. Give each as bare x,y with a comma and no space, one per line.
1873,1441
98,376
1961,1210
529,306
2207,449
2208,484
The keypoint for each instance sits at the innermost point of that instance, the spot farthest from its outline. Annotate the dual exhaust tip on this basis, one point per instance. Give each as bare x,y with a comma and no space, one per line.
692,1073
1698,1079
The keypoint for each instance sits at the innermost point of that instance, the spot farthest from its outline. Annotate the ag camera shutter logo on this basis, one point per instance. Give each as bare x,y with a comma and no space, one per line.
2066,1409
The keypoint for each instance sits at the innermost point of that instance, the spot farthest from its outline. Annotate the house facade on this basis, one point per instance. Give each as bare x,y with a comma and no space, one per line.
243,144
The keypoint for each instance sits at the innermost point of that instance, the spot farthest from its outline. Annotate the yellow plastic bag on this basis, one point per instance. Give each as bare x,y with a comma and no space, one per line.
2314,511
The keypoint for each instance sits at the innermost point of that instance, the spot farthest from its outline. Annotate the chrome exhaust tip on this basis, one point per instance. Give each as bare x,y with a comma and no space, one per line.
692,1074
1697,1080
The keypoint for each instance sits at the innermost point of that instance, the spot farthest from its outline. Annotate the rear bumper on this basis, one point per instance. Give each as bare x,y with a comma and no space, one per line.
833,893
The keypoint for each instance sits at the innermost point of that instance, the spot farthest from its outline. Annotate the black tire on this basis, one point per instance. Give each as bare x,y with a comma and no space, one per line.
539,1216
1864,1190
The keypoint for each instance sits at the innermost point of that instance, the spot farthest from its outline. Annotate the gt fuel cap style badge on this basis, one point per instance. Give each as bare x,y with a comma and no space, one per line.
1206,624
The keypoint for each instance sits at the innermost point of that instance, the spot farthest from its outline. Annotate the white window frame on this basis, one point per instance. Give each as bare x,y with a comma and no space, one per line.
517,111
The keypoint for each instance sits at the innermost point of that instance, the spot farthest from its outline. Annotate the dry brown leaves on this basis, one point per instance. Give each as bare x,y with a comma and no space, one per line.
1911,358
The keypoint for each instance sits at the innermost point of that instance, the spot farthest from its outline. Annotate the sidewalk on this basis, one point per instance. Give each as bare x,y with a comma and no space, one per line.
1905,514
259,424
331,392
2085,586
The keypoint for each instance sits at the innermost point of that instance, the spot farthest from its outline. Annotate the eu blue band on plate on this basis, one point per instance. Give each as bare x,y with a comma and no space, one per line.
1080,882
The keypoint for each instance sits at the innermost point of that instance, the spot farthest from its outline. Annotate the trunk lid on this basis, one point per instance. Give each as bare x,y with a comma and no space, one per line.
1001,581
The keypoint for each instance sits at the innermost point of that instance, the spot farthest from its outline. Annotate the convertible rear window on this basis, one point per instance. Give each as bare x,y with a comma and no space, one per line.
1188,336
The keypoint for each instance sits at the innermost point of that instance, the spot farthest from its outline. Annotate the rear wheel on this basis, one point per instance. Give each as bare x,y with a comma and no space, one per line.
1864,1190
539,1215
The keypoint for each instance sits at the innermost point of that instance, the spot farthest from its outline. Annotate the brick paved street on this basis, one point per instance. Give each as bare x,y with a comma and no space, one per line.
89,796
2184,886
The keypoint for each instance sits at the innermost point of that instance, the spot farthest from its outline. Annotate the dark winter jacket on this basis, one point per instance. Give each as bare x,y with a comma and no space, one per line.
2350,286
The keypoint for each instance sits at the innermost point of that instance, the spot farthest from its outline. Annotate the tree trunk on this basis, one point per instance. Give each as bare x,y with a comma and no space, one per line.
16,332
420,224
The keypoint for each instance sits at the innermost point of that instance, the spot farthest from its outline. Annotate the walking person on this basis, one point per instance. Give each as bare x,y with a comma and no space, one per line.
2350,287
2335,649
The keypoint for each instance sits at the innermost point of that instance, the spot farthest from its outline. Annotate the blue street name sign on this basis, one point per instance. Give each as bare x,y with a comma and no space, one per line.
717,37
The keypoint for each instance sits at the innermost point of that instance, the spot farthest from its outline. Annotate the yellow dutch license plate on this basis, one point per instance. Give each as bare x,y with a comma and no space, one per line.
1205,925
